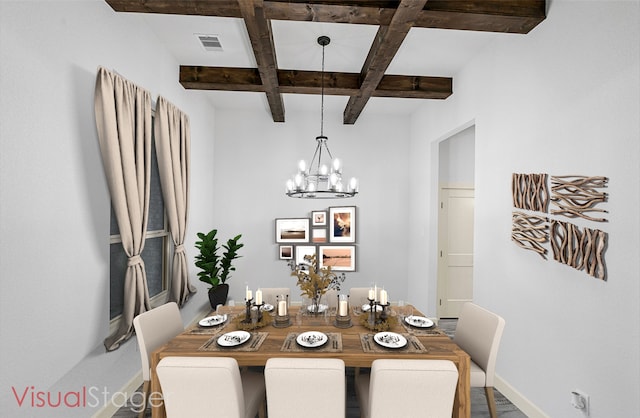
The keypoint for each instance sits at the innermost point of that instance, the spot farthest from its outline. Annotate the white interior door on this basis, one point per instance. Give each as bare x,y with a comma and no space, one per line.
455,242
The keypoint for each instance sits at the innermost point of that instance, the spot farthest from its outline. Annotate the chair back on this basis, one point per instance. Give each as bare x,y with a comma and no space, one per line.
412,388
269,294
358,296
294,384
153,329
478,333
330,298
201,387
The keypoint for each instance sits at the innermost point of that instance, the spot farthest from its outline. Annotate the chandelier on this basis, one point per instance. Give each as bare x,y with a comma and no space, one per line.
322,178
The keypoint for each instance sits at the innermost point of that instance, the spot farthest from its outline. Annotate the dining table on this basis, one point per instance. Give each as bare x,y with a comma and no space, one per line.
354,343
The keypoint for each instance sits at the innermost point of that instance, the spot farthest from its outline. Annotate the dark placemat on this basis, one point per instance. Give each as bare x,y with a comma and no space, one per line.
434,331
334,345
253,344
370,346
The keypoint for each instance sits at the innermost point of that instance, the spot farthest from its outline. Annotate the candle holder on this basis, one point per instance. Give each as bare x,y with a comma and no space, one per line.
247,315
259,306
282,319
343,318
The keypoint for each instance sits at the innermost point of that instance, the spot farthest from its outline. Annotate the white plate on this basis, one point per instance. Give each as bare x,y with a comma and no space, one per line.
212,321
266,307
321,308
312,339
418,321
390,339
366,307
233,338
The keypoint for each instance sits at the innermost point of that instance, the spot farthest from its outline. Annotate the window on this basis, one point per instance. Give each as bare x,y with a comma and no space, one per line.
156,254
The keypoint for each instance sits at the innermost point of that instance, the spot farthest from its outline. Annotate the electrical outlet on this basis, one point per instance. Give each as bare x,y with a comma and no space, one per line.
580,401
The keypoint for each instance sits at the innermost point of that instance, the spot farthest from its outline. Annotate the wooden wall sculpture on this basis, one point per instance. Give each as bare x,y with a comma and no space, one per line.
575,196
530,232
530,191
580,249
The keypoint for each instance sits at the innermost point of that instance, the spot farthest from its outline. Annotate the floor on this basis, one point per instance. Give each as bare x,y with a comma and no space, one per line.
478,401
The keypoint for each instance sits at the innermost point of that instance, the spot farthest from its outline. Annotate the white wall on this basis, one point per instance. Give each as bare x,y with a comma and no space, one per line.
255,157
54,204
456,159
563,99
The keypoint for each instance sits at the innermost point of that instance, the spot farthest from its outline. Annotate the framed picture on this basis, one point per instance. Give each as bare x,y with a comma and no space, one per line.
319,218
342,224
319,235
286,252
291,230
339,257
302,251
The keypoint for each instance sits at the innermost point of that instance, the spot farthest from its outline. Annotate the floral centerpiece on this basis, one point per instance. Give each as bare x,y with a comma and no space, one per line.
315,282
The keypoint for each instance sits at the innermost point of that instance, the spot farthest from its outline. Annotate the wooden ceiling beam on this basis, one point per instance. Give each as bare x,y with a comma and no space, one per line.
385,45
309,82
261,36
511,16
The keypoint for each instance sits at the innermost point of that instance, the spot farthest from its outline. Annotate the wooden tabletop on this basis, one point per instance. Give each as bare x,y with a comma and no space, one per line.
355,350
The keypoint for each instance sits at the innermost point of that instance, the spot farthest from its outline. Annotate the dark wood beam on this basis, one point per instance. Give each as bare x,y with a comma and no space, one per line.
309,82
261,36
384,48
512,16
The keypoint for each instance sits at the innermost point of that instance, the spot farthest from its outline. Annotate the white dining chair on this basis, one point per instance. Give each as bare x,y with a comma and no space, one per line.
154,328
358,296
269,294
210,387
294,386
478,333
407,389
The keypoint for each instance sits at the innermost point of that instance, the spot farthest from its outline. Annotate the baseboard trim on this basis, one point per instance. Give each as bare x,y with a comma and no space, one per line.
136,381
518,399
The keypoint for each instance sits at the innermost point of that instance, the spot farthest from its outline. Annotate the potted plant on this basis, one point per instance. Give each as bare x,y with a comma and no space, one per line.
215,269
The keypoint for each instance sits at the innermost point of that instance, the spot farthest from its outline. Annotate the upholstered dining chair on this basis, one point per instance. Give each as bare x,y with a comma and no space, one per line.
407,389
294,386
269,294
153,329
478,333
358,296
210,387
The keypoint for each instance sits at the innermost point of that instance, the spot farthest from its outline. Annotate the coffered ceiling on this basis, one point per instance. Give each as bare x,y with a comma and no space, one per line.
390,53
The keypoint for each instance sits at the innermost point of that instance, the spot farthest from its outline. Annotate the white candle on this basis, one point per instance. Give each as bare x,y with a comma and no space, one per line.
258,297
375,290
342,308
249,294
372,294
383,297
282,308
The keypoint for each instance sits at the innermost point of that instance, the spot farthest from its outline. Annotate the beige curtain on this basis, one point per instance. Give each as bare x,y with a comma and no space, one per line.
123,119
173,148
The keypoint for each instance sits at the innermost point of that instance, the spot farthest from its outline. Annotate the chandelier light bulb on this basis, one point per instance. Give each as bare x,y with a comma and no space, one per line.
299,181
324,170
311,187
290,185
353,184
302,166
337,165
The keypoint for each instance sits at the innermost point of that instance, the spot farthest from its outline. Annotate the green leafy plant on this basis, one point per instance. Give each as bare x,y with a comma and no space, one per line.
215,269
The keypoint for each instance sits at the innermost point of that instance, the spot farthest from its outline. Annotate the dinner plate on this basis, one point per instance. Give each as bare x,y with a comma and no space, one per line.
390,339
418,321
266,307
366,308
312,339
233,338
321,308
212,321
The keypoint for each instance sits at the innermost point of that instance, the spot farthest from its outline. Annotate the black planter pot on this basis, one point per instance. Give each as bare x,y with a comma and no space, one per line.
218,295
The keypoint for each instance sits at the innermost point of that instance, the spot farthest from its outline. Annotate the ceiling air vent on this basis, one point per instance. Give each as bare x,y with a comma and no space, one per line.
210,42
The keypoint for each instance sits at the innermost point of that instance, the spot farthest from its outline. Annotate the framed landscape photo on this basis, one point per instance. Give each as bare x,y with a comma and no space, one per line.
319,235
342,224
286,252
319,218
292,230
339,257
